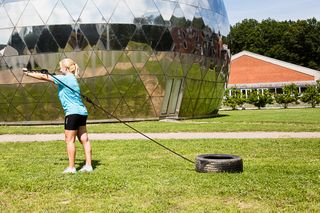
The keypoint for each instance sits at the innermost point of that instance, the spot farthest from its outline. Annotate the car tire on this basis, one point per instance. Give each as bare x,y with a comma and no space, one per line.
219,163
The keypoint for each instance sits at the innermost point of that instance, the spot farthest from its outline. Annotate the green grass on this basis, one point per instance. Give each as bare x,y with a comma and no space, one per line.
292,120
280,175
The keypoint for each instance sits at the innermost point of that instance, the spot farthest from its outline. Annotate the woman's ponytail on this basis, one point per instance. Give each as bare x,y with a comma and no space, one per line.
71,66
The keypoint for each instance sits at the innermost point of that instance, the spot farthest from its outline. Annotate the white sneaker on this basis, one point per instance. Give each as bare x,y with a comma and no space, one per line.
86,168
70,170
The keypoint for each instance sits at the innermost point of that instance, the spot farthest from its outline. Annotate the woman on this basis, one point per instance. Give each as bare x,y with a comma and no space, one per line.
74,109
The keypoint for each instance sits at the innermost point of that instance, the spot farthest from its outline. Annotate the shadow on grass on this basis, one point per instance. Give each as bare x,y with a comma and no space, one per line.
95,164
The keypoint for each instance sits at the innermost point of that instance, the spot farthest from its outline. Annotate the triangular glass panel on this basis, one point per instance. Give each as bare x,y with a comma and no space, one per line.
109,88
118,14
197,21
109,58
204,4
91,14
29,17
166,8
22,97
95,67
46,43
91,33
44,8
60,15
16,64
178,19
136,89
153,34
4,108
153,18
95,86
7,92
15,113
34,90
138,42
140,107
225,26
5,22
186,63
160,89
14,9
138,58
166,42
4,39
152,66
123,111
74,9
77,41
190,2
157,104
150,83
31,35
61,34
106,8
124,66
123,33
188,11
123,82
140,7
108,39
209,19
165,60
48,61
17,46
6,75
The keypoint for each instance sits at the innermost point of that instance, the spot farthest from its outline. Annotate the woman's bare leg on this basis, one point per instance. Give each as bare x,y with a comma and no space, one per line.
70,137
84,140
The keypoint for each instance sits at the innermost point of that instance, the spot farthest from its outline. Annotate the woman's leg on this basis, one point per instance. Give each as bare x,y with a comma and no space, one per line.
84,140
70,137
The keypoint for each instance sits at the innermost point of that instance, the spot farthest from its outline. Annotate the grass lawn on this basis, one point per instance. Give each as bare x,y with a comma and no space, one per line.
291,120
280,175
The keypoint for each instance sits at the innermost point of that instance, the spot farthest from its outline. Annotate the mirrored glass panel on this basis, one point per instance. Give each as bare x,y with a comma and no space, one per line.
138,59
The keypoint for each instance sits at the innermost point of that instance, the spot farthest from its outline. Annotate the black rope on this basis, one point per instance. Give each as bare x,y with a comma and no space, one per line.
44,71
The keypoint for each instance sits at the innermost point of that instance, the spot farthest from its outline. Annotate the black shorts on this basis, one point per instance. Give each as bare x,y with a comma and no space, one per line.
72,122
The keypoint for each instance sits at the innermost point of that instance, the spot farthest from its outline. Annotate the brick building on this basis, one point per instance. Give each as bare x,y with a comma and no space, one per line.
254,71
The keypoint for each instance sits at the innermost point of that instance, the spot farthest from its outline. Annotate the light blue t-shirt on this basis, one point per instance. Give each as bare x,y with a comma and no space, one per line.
71,101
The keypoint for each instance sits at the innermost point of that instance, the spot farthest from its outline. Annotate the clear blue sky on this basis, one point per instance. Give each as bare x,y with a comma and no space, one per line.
279,10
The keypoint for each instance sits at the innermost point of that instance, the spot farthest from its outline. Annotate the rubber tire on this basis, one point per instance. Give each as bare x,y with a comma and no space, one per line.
219,163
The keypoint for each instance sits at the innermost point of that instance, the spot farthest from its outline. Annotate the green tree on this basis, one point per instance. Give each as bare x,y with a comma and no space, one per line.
235,99
260,98
290,95
312,95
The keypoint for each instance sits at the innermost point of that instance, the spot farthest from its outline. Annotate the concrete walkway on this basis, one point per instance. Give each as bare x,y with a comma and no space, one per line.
180,135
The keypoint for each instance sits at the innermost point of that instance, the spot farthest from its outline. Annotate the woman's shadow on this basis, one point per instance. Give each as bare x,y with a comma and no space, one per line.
94,163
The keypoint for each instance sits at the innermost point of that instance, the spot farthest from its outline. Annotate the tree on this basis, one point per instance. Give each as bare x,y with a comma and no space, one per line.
290,95
234,99
312,95
260,98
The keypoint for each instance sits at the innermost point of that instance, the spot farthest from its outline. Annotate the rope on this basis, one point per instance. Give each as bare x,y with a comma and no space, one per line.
44,71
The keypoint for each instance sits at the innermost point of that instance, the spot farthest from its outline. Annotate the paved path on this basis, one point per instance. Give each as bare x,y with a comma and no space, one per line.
180,135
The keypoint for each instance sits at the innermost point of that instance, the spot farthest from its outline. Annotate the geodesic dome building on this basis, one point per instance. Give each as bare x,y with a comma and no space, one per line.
139,59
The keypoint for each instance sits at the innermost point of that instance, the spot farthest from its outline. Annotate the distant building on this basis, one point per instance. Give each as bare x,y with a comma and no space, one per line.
254,71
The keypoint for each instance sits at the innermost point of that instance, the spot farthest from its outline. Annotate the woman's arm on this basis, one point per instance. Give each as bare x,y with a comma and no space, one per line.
37,75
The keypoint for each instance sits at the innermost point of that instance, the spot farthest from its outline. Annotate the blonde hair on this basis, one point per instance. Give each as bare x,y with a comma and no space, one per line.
71,66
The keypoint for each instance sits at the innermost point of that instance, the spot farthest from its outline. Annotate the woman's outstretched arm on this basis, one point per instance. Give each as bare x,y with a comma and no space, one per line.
37,75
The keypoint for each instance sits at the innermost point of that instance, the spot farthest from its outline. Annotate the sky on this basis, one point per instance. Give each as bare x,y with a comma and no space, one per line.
279,10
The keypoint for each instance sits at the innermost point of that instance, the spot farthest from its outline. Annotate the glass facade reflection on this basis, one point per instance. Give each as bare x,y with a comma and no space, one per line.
138,58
